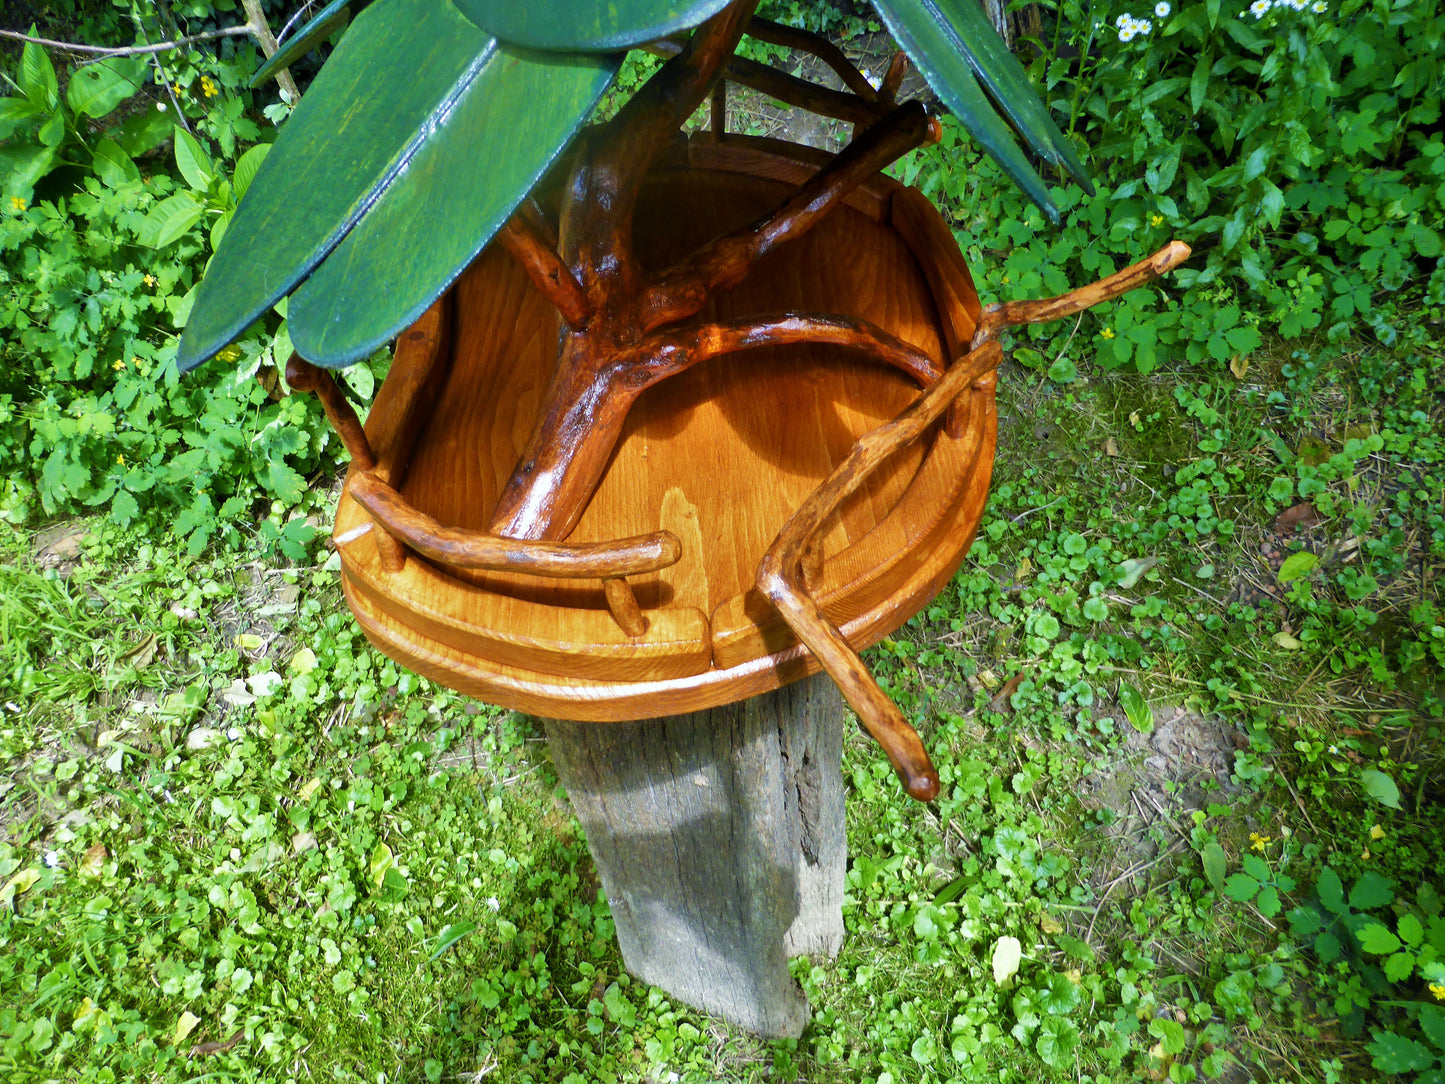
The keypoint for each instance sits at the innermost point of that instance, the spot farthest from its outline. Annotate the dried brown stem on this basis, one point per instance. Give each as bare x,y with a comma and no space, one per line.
780,573
584,407
303,376
524,239
1044,310
129,50
787,88
804,41
682,290
667,354
474,549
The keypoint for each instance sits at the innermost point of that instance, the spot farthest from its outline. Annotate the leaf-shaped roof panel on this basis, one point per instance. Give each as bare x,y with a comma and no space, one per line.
464,181
586,25
326,22
956,48
396,75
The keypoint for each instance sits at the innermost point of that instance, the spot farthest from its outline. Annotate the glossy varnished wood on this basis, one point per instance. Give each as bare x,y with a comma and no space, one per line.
720,456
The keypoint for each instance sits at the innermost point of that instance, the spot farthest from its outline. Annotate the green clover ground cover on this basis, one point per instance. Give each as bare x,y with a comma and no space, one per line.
1185,694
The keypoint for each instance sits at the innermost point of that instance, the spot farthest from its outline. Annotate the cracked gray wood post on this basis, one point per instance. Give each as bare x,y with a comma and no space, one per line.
720,843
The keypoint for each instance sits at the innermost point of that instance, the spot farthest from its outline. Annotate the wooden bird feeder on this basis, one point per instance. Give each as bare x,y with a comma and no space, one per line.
709,415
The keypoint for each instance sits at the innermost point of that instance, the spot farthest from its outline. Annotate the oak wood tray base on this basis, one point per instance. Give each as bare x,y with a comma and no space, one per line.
720,455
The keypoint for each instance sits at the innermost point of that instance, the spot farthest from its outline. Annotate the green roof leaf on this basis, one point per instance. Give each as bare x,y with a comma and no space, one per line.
393,80
956,48
326,23
466,178
578,26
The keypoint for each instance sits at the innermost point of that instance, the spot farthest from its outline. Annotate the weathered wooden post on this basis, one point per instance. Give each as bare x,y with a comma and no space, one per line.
708,416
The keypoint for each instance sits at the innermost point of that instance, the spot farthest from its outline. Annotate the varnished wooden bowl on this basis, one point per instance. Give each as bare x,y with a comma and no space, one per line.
720,455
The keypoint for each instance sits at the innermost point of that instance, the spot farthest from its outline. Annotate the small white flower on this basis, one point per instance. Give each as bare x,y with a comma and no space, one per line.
1161,10
1259,9
52,859
493,903
1123,21
1320,7
1145,26
1127,34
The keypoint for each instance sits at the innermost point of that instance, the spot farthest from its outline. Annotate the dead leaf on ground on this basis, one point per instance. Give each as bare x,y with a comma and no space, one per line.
1000,701
1239,365
93,861
1301,517
201,1050
59,545
1111,449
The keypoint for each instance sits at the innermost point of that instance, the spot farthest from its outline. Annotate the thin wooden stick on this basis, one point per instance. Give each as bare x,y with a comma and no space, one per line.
676,349
805,41
303,376
474,549
683,289
789,89
622,604
780,574
719,112
129,50
522,238
1044,310
893,78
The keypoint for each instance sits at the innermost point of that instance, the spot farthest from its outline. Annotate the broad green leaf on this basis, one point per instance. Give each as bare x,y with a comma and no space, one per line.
1268,901
1132,569
1411,931
37,76
1371,891
1241,887
516,116
1331,891
1432,1022
1327,948
1056,1042
52,132
97,89
952,42
450,937
1400,966
1256,867
1170,1034
327,21
1378,939
1296,565
193,162
1397,1054
112,165
246,167
21,166
1215,865
143,132
1137,709
1074,946
570,26
172,218
1381,787
16,111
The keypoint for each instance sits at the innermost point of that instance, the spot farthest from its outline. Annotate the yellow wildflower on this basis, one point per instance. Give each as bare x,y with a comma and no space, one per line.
120,459
1259,842
1107,333
1156,220
208,88
150,280
118,364
1438,991
1376,832
17,204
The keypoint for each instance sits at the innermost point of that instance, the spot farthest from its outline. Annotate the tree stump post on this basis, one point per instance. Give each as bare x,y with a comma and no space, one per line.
719,839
